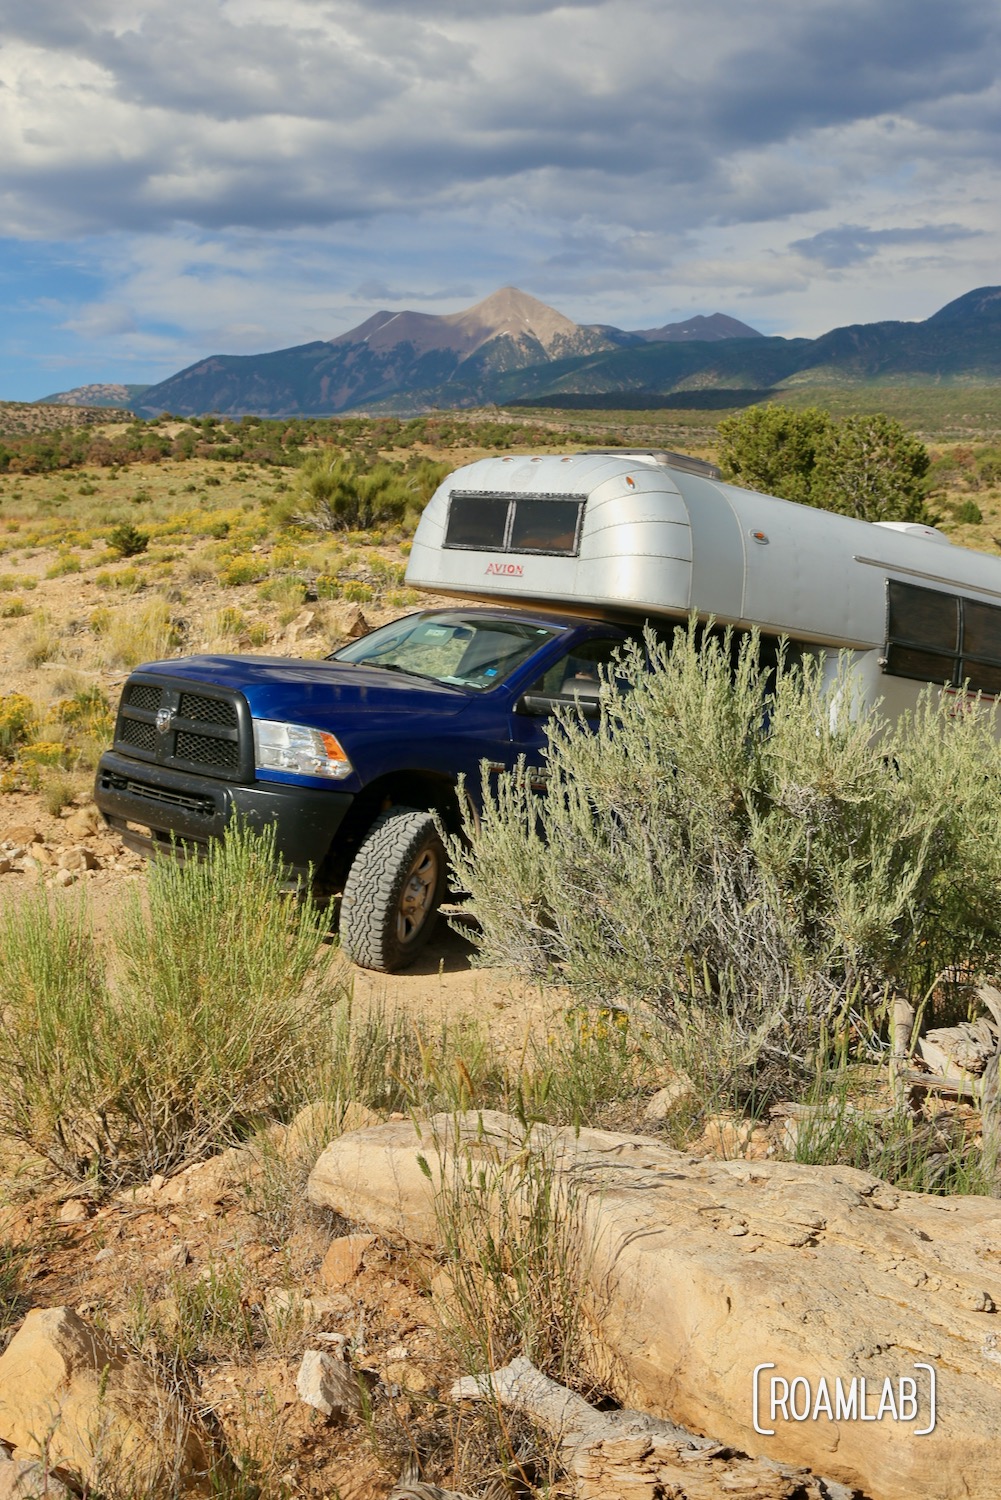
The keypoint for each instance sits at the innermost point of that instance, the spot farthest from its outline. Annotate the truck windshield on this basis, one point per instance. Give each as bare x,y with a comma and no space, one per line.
468,651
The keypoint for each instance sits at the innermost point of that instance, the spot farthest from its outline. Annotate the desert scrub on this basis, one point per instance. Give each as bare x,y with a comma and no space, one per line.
127,540
752,882
333,493
286,591
38,641
130,637
515,1252
208,1026
13,1302
66,562
129,580
18,721
241,570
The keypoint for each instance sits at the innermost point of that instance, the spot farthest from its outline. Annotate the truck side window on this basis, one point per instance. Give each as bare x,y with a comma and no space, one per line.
578,674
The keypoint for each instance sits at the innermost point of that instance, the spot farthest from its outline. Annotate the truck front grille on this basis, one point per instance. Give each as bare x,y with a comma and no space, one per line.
201,750
142,695
208,710
138,733
166,721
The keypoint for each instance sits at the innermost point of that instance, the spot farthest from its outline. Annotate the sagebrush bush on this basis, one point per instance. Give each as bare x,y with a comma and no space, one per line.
208,1025
748,856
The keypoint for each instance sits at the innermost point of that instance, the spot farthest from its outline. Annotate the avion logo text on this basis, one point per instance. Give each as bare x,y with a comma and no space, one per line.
505,570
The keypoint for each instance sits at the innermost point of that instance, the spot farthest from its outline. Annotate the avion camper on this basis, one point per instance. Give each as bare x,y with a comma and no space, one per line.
627,536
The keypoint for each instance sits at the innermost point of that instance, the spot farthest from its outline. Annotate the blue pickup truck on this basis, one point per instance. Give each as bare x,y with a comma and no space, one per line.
355,760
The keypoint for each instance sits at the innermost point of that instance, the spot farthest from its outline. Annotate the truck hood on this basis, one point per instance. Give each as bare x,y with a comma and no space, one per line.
282,687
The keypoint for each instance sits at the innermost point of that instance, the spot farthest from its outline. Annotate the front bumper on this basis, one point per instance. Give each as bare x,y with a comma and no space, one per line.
153,808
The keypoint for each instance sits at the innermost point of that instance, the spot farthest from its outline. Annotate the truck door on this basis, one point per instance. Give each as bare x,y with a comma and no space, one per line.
573,680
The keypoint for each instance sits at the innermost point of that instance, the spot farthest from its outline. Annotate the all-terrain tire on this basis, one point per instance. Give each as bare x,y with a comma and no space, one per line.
395,885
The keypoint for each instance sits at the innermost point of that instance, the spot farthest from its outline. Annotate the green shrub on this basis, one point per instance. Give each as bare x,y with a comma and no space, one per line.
968,513
127,540
13,1302
240,571
516,1254
209,1027
866,466
334,494
753,888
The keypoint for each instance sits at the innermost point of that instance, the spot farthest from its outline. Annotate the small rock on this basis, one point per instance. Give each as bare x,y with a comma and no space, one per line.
62,1381
6,865
343,1260
82,823
328,1384
175,1257
338,1342
29,1479
396,1353
666,1100
77,858
405,1374
103,1255
64,878
23,833
279,1302
979,1302
74,1211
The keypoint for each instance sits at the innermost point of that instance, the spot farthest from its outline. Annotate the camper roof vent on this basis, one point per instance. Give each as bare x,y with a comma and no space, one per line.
915,528
682,461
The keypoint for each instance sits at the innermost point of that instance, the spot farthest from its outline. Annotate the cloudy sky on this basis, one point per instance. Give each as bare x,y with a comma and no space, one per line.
183,177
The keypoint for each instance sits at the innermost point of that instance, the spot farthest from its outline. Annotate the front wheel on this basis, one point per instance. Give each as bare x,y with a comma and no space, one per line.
394,888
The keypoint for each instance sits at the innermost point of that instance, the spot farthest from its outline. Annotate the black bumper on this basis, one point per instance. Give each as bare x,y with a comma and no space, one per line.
174,809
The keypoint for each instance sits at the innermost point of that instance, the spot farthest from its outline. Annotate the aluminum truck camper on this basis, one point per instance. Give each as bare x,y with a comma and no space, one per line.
658,535
551,563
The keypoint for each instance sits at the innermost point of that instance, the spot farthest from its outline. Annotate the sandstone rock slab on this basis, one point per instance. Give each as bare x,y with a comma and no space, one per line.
68,1396
696,1273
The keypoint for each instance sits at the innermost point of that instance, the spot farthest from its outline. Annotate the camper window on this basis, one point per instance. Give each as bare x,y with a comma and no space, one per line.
937,637
549,524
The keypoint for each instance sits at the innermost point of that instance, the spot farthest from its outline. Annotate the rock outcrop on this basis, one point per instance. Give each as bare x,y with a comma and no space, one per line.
698,1273
68,1397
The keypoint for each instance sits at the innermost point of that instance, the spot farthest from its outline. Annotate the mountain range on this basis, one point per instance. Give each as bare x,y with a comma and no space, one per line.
511,348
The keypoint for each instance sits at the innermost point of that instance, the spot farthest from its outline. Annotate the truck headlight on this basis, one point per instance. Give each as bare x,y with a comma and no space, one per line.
298,749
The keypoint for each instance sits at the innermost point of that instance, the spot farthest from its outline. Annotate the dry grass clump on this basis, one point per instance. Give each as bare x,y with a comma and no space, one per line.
130,636
219,987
